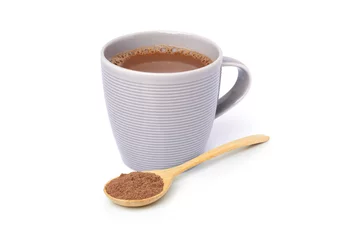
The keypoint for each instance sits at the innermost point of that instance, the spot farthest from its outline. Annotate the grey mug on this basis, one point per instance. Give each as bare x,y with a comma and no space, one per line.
160,120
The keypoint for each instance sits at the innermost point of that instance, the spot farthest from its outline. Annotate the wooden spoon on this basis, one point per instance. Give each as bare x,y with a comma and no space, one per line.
169,174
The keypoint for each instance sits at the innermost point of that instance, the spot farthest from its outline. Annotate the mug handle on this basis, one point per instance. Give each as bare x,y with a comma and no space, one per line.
238,91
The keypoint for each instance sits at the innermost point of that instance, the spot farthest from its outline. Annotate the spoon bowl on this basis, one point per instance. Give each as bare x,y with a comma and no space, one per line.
167,180
169,174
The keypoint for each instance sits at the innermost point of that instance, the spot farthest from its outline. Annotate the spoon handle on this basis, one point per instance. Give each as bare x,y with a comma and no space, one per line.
239,143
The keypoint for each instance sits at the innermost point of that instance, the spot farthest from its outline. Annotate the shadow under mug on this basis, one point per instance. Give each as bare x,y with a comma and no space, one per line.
160,120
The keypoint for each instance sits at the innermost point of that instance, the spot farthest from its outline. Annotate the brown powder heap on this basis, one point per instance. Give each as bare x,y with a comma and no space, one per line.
135,186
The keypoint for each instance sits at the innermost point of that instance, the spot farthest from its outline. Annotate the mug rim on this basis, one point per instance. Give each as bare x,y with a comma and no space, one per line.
109,64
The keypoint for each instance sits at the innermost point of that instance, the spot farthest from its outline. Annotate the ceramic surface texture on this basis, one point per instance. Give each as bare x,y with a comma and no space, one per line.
161,120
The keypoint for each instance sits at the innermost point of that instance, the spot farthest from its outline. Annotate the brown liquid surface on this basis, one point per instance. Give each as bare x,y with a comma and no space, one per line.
161,59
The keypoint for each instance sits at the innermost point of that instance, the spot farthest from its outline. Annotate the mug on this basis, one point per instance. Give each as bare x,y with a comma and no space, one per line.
160,120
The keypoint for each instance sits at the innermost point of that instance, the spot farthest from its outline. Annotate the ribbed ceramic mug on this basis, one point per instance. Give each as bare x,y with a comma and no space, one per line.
160,120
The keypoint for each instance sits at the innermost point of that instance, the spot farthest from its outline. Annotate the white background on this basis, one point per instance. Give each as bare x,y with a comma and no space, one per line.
57,148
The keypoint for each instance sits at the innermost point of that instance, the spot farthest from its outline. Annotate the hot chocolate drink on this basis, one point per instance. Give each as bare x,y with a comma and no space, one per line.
161,59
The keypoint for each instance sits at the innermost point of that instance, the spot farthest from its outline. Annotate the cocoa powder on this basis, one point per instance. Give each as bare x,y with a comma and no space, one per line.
135,186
